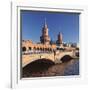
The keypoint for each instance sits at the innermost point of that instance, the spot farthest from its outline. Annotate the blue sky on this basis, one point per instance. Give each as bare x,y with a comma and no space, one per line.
66,23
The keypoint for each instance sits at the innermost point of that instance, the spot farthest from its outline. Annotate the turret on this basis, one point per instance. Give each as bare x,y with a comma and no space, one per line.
59,39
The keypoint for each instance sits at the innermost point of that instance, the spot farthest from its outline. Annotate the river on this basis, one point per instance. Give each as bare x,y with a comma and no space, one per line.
62,69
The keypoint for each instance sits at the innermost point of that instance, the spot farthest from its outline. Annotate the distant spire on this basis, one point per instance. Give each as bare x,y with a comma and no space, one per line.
60,33
45,23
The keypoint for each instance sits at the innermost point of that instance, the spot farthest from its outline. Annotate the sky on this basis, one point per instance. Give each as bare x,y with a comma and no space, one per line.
32,23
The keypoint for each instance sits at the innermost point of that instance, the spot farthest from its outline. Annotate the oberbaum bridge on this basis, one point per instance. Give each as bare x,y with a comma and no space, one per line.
46,50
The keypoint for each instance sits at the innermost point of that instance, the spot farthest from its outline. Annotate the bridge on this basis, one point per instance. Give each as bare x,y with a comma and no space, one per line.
53,57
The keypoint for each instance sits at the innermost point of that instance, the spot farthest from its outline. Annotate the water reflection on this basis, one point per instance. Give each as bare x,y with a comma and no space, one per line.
63,69
72,68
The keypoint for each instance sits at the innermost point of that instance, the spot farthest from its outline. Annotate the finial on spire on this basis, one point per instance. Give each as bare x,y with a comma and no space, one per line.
45,23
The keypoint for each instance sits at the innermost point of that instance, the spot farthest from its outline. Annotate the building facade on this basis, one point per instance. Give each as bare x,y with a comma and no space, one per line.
28,46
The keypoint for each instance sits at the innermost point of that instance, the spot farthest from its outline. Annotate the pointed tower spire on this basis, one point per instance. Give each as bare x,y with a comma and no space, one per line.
45,39
45,23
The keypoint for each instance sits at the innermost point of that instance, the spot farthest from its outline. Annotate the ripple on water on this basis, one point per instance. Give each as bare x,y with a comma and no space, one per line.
72,69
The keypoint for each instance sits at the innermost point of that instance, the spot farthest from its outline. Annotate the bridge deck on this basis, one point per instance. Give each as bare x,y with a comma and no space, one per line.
26,59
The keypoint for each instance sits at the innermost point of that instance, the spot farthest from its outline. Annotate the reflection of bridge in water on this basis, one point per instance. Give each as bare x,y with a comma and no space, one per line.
53,57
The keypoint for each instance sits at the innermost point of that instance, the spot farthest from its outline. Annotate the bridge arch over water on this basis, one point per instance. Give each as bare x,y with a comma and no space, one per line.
66,58
40,64
49,56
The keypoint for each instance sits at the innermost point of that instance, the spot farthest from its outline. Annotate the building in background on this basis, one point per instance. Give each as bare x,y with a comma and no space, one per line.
59,41
45,39
45,44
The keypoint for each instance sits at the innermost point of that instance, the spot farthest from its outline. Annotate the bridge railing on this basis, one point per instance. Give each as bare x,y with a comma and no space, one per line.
36,52
40,52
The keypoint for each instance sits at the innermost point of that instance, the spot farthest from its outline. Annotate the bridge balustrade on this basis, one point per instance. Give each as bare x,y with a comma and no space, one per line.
35,52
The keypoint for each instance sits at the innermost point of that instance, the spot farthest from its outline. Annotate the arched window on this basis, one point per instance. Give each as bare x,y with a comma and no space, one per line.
30,48
41,49
38,49
34,48
23,49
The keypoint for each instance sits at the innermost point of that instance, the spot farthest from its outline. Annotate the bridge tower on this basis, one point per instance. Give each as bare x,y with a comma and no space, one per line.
45,39
59,39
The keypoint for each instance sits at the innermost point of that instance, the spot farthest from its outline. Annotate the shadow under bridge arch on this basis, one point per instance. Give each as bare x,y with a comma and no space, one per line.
66,58
38,65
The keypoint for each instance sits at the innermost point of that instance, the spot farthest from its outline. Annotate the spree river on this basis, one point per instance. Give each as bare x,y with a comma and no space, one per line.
70,67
